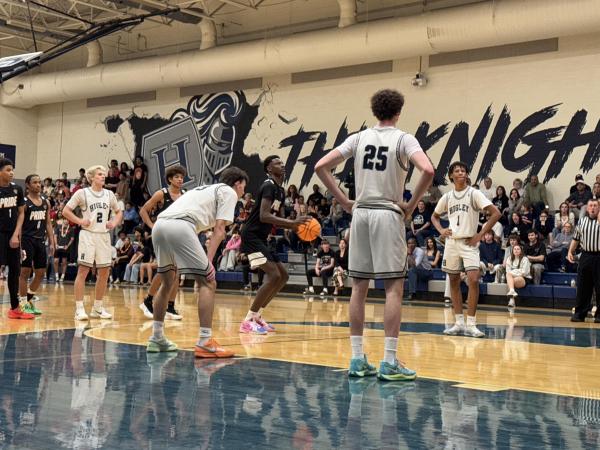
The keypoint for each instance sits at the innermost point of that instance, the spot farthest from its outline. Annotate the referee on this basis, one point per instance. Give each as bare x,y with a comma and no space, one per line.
587,234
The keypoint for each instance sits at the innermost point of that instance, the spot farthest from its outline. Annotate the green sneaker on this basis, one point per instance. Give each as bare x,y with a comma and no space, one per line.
30,308
360,367
395,372
163,345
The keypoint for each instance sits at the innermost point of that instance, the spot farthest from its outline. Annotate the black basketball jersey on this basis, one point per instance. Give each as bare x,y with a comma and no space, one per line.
167,200
34,225
11,197
269,190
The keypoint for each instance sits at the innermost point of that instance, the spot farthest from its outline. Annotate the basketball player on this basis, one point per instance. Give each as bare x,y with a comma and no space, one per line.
382,156
266,213
177,247
37,226
461,254
12,215
160,201
96,204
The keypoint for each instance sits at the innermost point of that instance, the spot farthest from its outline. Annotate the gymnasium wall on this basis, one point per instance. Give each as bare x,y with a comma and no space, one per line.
18,127
506,117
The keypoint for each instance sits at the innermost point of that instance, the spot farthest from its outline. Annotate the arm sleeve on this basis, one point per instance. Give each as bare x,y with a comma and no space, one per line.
226,201
77,200
480,201
410,145
349,146
442,205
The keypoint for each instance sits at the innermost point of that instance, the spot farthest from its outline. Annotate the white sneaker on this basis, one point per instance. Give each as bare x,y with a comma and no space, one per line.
146,311
455,330
102,314
511,293
324,292
309,290
473,331
172,316
81,315
511,302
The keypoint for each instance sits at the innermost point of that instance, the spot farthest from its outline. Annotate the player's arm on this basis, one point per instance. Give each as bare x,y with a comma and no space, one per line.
15,240
267,216
68,213
219,233
50,230
324,169
440,208
157,199
118,213
422,162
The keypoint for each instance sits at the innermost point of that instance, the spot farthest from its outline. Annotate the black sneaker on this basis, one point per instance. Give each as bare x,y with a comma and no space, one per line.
148,304
172,313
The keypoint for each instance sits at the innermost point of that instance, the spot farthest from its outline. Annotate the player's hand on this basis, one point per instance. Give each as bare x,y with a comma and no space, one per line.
211,273
14,241
474,241
446,232
570,258
85,223
300,220
110,225
347,205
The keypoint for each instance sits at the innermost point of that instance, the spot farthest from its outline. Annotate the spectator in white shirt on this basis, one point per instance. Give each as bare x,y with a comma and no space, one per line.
488,189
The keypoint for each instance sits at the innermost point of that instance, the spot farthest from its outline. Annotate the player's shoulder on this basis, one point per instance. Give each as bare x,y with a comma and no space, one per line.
15,187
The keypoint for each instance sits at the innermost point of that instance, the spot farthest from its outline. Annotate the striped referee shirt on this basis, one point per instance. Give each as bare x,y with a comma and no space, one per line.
587,233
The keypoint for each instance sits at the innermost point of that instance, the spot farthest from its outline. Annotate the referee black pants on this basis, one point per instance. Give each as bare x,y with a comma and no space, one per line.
588,279
11,257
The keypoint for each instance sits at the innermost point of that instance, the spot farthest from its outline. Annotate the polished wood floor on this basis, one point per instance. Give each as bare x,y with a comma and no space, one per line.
532,350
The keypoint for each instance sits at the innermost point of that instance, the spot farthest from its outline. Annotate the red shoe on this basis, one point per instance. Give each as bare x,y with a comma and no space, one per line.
18,314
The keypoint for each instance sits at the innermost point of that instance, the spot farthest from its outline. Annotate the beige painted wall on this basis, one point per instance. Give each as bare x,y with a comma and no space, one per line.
19,127
455,93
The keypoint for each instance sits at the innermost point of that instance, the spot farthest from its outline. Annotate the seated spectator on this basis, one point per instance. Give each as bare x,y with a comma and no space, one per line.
123,187
432,196
312,209
518,185
596,191
564,215
420,225
132,269
578,179
513,240
501,202
124,254
488,189
65,180
131,218
336,213
535,195
497,229
290,199
419,268
232,248
121,239
543,226
490,254
433,255
517,227
148,263
123,168
300,207
578,199
48,188
557,258
518,273
535,251
515,201
323,268
316,196
527,216
324,209
340,272
112,179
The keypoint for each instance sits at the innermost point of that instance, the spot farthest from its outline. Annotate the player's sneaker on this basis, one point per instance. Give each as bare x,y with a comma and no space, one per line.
81,315
309,291
266,325
473,331
30,308
172,313
160,345
212,349
395,372
32,297
17,313
250,326
360,367
511,302
455,330
511,293
147,314
100,314
324,292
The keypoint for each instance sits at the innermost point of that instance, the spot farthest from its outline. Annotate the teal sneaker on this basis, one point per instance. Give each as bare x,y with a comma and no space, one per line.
360,367
163,345
395,372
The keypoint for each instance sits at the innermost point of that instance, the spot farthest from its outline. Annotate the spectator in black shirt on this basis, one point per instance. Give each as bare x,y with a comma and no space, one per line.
341,266
543,225
579,178
500,201
316,196
490,254
323,268
324,208
578,199
420,225
535,251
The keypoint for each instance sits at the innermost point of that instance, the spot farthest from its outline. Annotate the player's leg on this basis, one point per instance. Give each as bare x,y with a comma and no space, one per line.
457,305
147,304
11,257
26,266
172,313
158,341
78,291
274,281
40,260
283,277
471,260
103,259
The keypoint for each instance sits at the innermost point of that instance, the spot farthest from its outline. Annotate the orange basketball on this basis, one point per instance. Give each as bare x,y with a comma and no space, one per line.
309,231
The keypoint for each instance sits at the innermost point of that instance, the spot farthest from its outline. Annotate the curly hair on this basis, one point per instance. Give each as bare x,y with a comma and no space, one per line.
386,104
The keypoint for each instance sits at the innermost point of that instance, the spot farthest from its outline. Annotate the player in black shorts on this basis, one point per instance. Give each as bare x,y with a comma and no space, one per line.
12,206
266,214
36,227
160,201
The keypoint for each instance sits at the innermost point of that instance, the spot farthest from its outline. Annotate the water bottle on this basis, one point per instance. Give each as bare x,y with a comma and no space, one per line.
573,283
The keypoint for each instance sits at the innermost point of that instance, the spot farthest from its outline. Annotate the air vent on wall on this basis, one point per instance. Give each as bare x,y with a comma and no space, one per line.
226,86
148,96
342,72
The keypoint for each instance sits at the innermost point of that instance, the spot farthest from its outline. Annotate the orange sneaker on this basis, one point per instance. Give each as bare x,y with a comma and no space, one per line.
17,313
212,350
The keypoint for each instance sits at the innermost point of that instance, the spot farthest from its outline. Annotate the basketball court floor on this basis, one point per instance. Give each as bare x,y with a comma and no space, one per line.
531,383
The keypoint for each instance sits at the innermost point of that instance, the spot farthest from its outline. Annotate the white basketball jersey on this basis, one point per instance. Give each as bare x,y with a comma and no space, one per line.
381,161
463,208
95,206
203,206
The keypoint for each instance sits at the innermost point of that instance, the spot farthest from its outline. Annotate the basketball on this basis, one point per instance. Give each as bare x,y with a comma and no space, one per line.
308,232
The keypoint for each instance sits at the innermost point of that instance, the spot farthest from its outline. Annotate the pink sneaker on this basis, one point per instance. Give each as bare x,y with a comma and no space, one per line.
266,325
250,326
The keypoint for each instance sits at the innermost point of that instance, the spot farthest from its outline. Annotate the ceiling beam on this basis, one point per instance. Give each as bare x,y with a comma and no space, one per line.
42,10
238,4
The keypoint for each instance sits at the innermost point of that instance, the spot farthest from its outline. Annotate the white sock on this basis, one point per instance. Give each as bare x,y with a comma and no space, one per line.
98,305
79,305
204,336
460,319
260,311
471,321
157,330
357,346
29,291
251,315
390,349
